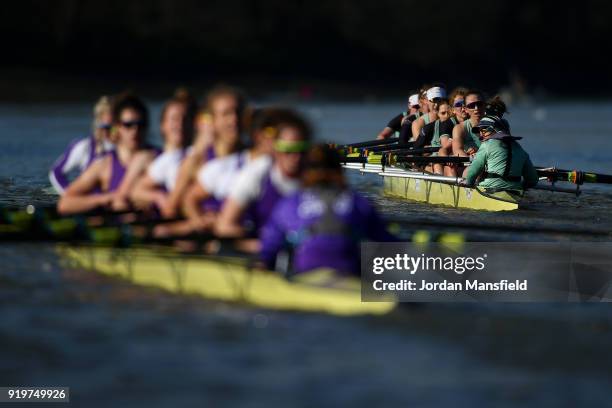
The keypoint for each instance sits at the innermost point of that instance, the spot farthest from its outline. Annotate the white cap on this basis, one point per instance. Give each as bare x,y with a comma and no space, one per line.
436,92
413,100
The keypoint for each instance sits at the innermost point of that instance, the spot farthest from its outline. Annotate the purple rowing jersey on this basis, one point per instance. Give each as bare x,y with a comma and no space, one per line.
210,154
78,157
324,228
259,211
117,172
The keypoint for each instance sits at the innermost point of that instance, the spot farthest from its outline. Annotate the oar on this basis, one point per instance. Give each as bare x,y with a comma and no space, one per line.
376,158
369,143
386,148
574,176
431,159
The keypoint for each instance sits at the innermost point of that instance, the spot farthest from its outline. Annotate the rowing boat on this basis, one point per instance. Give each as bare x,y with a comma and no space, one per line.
226,278
439,190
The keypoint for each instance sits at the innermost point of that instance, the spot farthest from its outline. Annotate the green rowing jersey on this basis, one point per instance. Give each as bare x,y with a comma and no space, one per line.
492,159
471,139
439,131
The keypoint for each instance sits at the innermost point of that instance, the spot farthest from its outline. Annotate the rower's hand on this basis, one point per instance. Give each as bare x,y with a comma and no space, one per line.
105,199
167,209
119,203
471,151
204,222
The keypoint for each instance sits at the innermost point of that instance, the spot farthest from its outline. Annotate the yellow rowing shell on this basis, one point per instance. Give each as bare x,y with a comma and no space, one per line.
447,194
227,279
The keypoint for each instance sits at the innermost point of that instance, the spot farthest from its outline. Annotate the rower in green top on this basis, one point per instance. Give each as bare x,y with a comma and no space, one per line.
465,140
501,164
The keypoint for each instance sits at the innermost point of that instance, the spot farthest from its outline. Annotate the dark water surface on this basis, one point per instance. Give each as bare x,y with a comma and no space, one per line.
116,344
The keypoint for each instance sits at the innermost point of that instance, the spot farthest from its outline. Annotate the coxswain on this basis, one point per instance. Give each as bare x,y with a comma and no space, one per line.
500,164
322,225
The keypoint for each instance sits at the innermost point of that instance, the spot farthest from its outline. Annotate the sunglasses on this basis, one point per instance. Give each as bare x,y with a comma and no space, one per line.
436,100
474,105
459,104
416,106
132,124
104,126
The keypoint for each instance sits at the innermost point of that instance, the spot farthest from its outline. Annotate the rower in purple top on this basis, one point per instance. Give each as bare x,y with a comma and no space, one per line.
215,179
81,153
262,183
322,225
218,129
97,185
176,125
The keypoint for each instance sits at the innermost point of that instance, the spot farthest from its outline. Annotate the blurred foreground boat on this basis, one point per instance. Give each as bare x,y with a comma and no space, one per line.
226,278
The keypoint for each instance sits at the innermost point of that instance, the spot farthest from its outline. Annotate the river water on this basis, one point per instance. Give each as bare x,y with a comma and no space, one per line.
116,344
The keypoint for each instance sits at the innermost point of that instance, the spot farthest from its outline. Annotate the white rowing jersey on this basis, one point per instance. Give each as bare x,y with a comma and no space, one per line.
164,169
248,186
218,176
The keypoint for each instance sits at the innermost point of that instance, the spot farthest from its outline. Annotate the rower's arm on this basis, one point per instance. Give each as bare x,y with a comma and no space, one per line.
530,175
228,222
477,167
417,125
184,178
147,192
79,198
458,136
191,203
385,133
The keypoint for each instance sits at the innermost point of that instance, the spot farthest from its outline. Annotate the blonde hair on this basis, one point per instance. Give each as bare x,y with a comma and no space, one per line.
102,106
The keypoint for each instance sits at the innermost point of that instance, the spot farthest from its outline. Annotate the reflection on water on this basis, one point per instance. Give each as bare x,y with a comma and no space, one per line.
117,344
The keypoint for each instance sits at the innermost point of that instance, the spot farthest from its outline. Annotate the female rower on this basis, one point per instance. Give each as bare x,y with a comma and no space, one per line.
81,153
435,95
215,179
97,186
322,225
219,126
466,141
457,100
501,164
437,134
395,125
176,125
265,181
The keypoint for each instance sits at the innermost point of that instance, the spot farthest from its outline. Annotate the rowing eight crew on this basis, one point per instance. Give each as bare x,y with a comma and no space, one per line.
464,125
280,193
